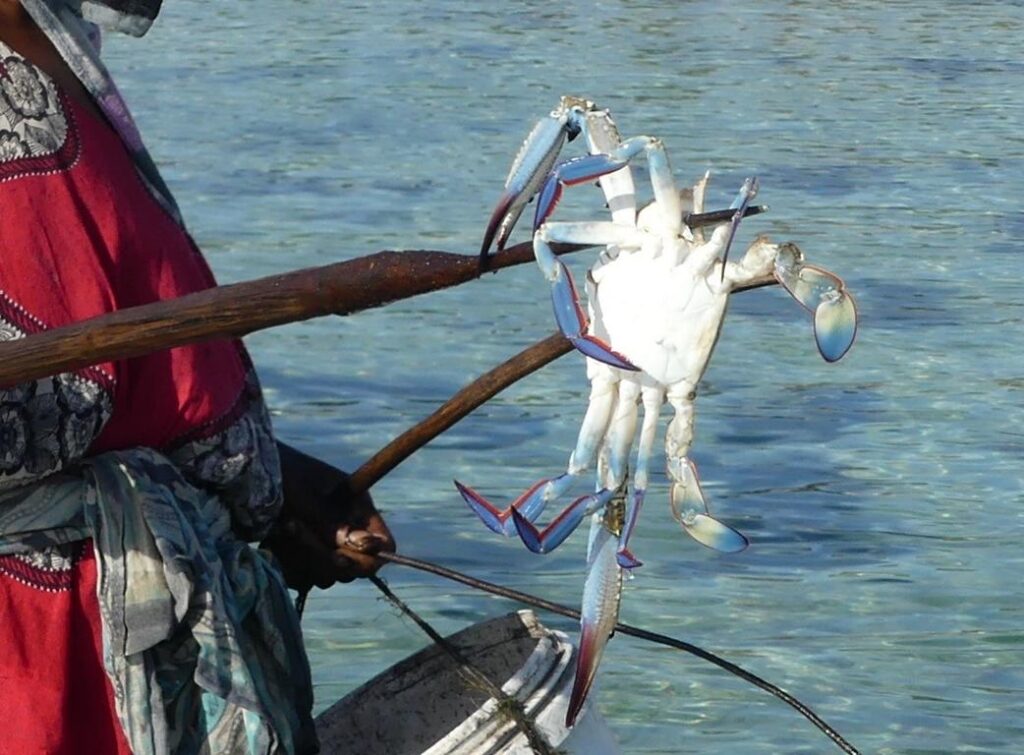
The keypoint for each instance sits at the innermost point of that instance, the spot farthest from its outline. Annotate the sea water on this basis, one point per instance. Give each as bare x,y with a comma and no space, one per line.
883,495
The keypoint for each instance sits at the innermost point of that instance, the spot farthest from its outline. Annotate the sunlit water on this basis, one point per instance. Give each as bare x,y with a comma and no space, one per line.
883,495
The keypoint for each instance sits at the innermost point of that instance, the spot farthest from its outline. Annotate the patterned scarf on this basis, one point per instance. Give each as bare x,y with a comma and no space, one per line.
200,636
128,16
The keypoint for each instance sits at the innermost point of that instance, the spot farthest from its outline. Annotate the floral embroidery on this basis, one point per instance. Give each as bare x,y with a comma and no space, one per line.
24,89
239,462
46,424
11,147
37,134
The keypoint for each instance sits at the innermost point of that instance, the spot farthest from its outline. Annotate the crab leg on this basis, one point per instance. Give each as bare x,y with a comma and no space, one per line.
747,192
620,438
534,161
569,314
602,592
531,503
619,191
689,506
652,397
589,167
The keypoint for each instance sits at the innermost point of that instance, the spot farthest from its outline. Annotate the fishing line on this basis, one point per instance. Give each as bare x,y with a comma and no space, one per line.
644,634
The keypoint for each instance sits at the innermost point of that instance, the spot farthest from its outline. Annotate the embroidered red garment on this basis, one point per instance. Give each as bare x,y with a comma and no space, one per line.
88,239
54,692
81,235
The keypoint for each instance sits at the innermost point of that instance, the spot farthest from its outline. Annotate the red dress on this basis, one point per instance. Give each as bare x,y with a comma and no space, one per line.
80,235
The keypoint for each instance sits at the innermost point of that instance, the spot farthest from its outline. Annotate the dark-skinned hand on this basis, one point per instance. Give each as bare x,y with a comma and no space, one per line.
326,533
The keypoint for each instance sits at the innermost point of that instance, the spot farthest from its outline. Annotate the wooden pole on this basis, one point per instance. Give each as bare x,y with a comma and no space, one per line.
458,406
236,310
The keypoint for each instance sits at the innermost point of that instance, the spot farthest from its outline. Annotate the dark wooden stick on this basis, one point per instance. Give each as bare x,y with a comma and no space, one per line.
233,311
458,406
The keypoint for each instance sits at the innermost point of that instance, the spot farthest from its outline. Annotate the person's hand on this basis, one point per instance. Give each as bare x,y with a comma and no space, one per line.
326,534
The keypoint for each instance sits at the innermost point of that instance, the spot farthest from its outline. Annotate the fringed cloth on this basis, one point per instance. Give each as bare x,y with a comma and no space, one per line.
200,636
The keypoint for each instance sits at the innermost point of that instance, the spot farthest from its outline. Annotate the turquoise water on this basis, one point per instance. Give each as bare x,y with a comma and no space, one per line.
883,495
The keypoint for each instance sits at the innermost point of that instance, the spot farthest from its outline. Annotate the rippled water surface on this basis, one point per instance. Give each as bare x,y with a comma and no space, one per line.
883,495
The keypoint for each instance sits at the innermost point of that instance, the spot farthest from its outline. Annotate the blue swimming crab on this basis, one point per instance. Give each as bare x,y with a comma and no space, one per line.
657,298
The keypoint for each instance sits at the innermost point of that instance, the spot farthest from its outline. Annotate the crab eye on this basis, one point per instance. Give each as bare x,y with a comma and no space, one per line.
572,130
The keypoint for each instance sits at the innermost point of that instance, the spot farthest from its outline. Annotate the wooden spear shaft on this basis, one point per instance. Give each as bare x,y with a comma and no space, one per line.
236,310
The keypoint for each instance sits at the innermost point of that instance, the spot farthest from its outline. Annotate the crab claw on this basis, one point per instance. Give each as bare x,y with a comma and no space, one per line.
824,295
690,509
835,326
528,506
598,613
533,163
572,321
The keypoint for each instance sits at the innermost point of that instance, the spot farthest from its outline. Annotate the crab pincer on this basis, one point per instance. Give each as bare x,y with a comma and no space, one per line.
824,295
531,167
690,509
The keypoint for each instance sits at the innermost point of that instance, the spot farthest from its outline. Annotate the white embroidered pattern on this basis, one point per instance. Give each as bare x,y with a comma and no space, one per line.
36,134
47,423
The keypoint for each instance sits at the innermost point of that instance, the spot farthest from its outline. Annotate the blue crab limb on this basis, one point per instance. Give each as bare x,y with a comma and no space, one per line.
563,525
589,167
686,498
605,410
531,166
690,509
624,556
824,295
529,505
572,172
532,502
573,323
747,192
652,398
565,299
615,468
619,191
599,611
